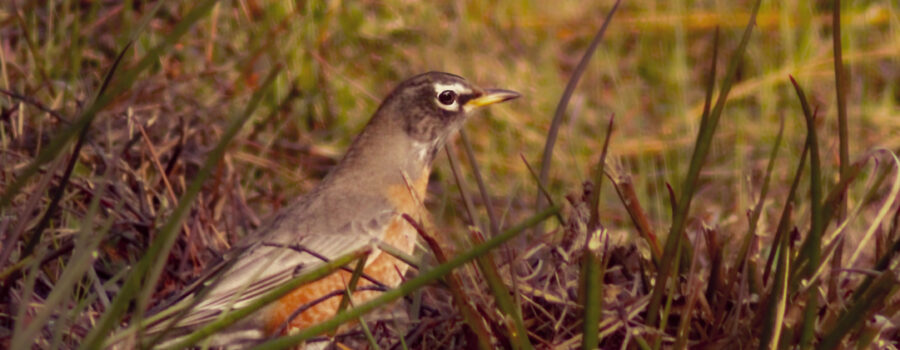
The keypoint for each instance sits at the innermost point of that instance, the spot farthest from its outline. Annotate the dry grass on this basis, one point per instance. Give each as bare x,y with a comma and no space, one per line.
73,233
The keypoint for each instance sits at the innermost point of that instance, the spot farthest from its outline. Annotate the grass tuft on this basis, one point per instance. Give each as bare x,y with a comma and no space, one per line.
141,140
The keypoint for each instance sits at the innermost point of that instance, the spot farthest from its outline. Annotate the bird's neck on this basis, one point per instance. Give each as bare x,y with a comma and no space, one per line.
384,156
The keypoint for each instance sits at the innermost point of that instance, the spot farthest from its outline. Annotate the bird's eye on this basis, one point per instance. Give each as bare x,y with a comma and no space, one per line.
447,97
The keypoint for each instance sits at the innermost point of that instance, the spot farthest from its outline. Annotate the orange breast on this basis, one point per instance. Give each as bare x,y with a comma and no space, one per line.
384,268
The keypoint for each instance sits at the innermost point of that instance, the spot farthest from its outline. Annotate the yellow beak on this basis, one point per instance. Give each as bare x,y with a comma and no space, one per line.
490,96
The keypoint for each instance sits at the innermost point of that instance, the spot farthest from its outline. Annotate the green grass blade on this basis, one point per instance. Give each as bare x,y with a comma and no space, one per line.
547,158
168,232
59,142
470,315
354,281
855,315
542,188
784,222
373,343
467,201
773,317
598,178
763,192
511,311
57,192
230,318
812,249
840,84
593,266
493,223
701,149
408,287
76,267
104,96
149,267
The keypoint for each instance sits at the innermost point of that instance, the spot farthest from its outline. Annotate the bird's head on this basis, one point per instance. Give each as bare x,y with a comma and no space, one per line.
431,106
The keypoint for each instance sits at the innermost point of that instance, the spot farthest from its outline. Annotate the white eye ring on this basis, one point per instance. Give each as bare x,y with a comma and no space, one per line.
447,95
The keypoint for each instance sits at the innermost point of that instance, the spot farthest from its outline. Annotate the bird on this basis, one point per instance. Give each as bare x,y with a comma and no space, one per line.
360,202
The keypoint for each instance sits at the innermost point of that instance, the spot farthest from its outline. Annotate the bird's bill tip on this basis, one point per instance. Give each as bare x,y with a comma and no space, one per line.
491,96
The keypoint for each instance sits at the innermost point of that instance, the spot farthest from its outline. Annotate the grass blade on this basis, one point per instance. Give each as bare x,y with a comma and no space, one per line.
410,286
598,177
884,262
508,307
230,318
105,95
840,82
75,269
467,201
593,266
763,192
494,224
564,102
777,299
811,250
624,187
148,269
882,212
701,149
882,288
784,222
542,188
470,315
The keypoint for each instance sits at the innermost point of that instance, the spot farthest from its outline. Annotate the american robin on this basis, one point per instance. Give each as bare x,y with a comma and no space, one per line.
360,202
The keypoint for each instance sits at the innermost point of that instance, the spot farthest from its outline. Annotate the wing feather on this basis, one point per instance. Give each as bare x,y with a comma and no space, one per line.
297,238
